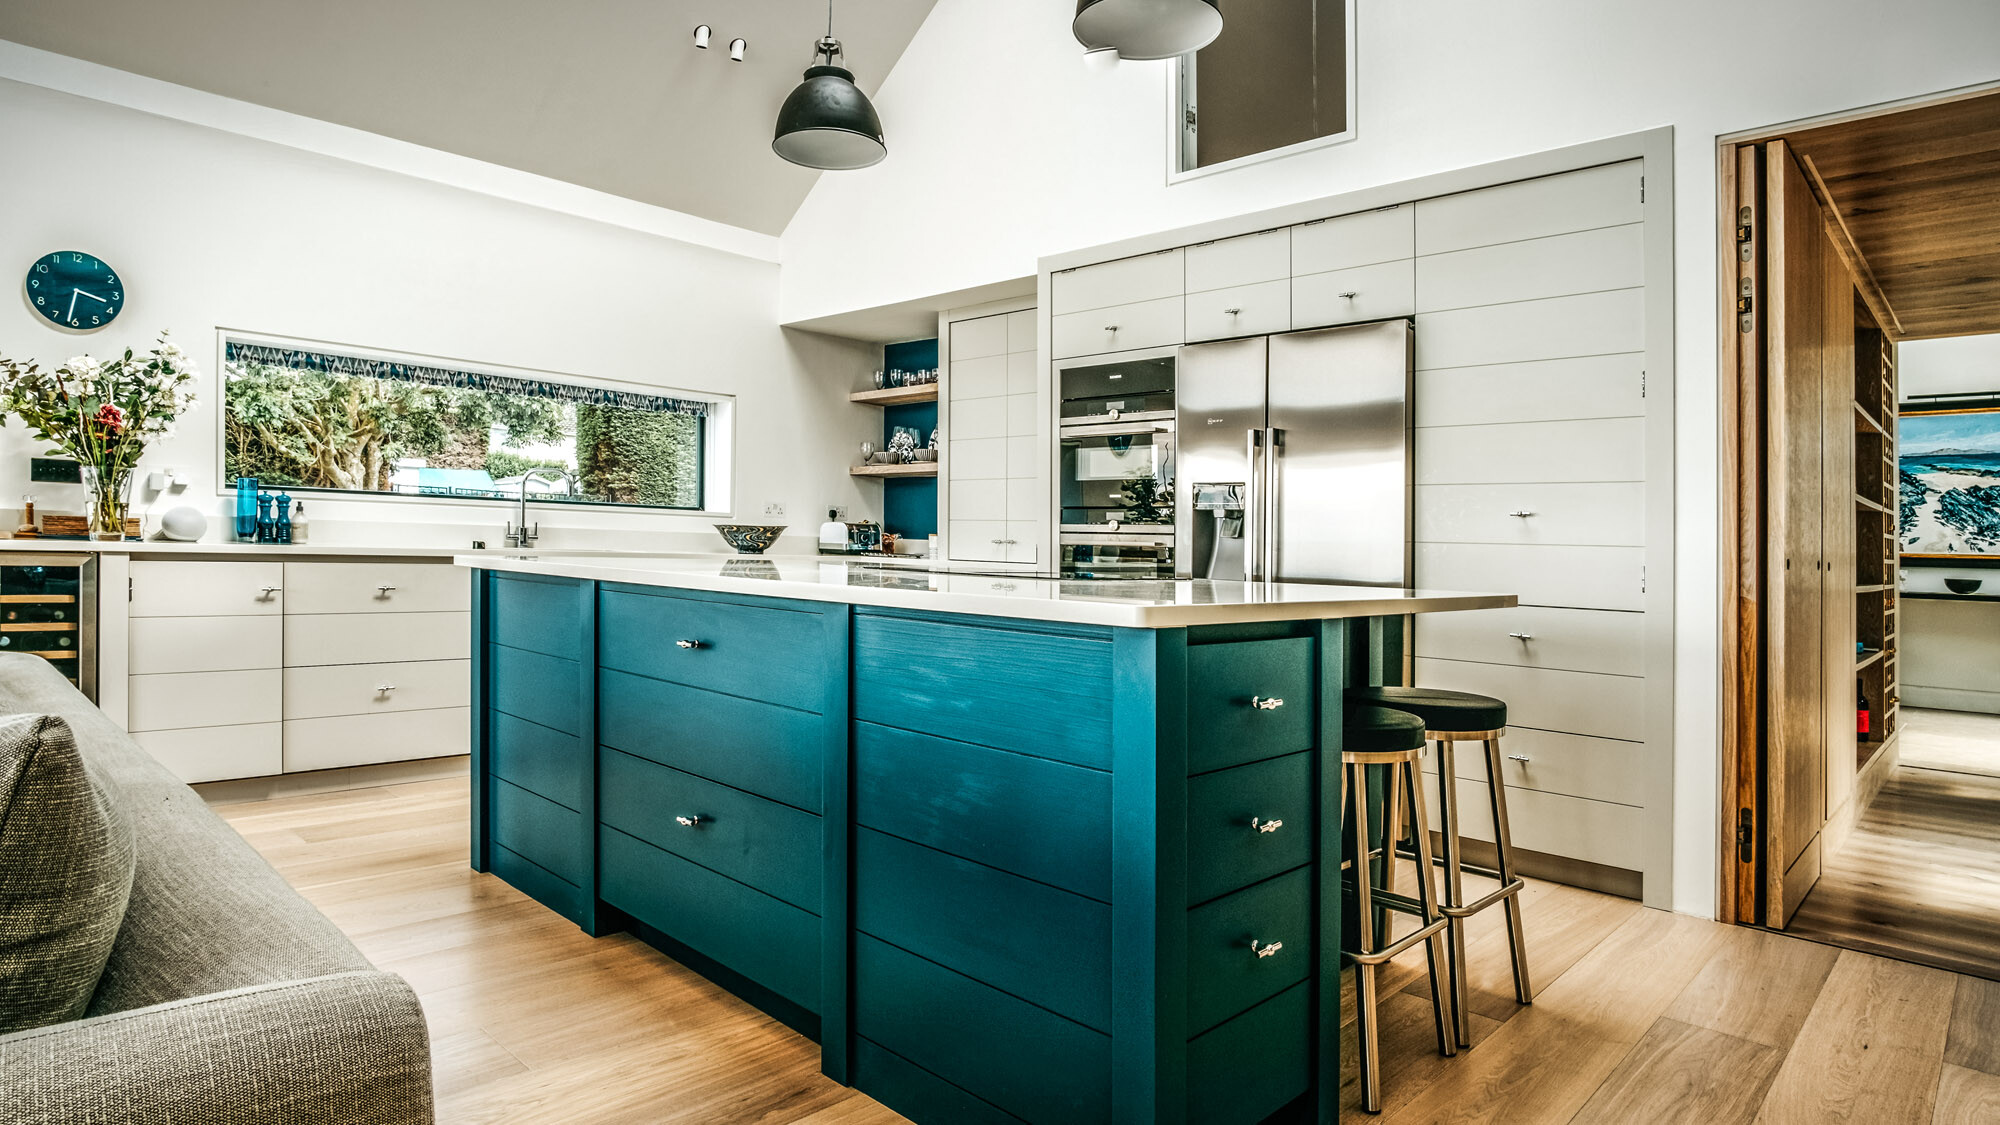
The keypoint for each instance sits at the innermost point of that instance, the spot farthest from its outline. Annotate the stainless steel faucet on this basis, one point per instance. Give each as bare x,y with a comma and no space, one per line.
520,534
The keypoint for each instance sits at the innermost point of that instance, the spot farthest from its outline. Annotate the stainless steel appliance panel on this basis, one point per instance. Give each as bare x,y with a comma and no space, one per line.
1337,499
1117,475
1220,396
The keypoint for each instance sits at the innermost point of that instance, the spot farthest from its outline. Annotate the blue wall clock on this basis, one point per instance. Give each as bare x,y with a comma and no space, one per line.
75,290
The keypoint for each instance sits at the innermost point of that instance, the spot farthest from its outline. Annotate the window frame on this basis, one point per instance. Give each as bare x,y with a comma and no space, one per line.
1183,85
715,439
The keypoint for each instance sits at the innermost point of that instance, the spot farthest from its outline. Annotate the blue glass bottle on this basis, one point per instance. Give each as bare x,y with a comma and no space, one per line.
246,508
266,525
282,532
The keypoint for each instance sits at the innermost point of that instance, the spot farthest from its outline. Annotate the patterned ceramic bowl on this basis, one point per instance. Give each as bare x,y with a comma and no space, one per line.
750,538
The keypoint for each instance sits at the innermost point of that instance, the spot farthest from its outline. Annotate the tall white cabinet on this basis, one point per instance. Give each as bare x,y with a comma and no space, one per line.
996,456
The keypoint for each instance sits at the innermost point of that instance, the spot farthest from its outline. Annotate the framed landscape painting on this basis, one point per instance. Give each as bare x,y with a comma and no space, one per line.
1949,484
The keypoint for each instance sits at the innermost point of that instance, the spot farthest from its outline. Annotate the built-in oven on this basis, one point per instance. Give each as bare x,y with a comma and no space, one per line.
1116,487
1129,387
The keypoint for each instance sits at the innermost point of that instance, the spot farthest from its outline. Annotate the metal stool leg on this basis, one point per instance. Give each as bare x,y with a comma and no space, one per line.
1369,1031
1503,848
1454,886
1442,1003
1392,823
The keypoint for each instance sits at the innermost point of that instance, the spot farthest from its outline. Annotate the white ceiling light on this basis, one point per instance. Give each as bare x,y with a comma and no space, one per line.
1147,29
701,37
736,49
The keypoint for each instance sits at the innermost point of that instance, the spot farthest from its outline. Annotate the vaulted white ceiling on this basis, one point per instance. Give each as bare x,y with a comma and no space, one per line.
606,94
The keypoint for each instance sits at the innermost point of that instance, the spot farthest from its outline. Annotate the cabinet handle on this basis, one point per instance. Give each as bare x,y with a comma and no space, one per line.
1111,328
1522,636
269,590
1263,704
1521,758
687,644
690,821
1266,825
1349,295
384,689
1003,587
1521,514
1265,950
385,591
1233,312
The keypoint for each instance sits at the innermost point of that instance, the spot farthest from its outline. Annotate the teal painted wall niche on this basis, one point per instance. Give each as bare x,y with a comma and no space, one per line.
910,504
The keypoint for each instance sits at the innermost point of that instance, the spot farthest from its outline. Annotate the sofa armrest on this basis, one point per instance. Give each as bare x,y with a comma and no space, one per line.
346,1048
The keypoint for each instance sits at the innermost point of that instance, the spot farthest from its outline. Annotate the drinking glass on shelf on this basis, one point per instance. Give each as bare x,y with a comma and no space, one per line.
881,379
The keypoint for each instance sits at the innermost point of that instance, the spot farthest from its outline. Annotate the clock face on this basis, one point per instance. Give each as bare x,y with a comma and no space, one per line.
75,290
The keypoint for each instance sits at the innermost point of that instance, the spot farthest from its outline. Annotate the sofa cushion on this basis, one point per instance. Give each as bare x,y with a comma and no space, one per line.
66,866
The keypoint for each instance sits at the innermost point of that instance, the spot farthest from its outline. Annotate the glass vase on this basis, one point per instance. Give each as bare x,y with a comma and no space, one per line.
110,497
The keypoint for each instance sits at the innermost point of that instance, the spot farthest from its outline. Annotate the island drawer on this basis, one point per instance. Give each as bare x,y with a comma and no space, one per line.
1248,947
1250,1067
1248,823
547,763
774,848
760,652
375,587
938,677
772,751
538,830
537,614
1232,689
771,942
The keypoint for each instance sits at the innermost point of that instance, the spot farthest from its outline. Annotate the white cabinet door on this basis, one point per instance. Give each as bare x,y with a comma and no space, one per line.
979,499
1231,262
1246,310
1606,196
1351,296
1583,515
1552,328
1126,281
1558,266
186,588
367,689
1598,449
199,754
1146,324
979,540
1553,824
1347,241
1548,699
376,587
1597,386
1575,640
360,740
1578,577
1573,765
977,338
983,377
975,418
178,700
204,644
314,639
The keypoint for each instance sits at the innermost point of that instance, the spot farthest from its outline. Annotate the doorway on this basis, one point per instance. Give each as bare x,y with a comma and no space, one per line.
1861,757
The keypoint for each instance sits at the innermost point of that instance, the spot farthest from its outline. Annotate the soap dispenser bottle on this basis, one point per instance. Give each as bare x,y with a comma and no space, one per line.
833,534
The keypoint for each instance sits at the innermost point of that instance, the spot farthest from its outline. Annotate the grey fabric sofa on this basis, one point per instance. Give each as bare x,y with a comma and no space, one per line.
228,997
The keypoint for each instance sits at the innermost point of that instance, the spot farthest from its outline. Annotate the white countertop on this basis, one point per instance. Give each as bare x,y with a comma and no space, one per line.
1144,604
47,546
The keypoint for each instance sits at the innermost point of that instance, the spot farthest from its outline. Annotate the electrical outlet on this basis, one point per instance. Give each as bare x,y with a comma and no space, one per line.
774,509
840,512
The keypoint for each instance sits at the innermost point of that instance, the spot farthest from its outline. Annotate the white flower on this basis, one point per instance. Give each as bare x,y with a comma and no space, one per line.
83,364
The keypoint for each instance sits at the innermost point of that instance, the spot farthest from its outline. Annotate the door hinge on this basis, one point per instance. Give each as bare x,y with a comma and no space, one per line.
1642,579
1642,189
128,589
1642,384
1746,851
1189,117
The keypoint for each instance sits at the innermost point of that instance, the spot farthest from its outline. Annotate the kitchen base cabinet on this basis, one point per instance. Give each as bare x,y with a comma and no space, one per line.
1003,870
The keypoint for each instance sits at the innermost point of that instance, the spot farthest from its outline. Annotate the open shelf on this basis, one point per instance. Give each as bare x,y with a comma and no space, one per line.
917,469
1867,503
1865,421
1868,658
896,396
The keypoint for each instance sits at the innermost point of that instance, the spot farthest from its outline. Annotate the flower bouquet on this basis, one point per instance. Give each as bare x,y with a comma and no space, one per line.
102,413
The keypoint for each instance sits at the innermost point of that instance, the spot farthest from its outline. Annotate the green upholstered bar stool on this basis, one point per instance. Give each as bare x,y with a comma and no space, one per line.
1378,736
1449,718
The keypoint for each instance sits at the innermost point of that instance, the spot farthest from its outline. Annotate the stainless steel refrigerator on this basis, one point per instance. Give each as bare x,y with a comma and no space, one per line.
1295,457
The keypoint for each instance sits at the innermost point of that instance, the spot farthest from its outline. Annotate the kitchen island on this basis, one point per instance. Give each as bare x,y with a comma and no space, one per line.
1010,848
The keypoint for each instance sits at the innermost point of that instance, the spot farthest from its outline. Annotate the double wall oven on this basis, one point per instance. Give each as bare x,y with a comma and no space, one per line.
1116,466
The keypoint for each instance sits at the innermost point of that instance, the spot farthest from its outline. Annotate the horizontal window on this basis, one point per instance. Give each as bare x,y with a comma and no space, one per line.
1277,79
317,420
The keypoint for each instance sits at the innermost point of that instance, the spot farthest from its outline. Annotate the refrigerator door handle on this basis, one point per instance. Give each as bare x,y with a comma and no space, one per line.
1273,474
1253,516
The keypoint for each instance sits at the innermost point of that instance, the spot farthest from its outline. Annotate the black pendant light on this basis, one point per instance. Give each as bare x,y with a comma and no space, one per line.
827,122
1147,29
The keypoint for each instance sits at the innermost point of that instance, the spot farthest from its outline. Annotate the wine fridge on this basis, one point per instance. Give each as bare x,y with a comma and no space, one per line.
48,608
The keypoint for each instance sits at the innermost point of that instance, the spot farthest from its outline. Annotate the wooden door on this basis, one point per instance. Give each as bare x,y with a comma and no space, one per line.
1838,535
1795,744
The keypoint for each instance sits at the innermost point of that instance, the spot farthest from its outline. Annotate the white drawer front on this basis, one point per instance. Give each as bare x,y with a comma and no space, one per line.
979,499
1585,262
975,418
978,541
1548,699
316,639
217,753
1575,640
1021,331
362,740
205,644
1596,769
1247,310
1348,296
980,336
1598,386
1147,324
369,689
1147,277
1353,240
1023,541
1573,577
1554,824
1590,515
176,700
1230,262
184,588
1594,197
1553,328
1583,451
370,587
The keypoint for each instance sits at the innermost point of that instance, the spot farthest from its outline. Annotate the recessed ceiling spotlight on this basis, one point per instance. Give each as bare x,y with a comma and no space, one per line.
701,37
736,49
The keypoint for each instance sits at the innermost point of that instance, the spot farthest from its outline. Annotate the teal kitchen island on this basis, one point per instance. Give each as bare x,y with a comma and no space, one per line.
1009,848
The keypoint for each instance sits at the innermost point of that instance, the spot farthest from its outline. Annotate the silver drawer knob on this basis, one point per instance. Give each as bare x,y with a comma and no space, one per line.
1266,825
384,689
1266,704
1233,312
269,590
689,821
687,644
1111,328
1266,950
385,591
1522,636
1521,513
1521,758
1350,294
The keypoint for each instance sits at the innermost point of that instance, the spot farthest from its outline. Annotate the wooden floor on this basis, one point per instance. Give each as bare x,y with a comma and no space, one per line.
1919,879
1642,1016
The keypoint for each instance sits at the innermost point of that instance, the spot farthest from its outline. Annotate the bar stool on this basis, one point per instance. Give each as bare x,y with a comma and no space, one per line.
1451,717
1377,736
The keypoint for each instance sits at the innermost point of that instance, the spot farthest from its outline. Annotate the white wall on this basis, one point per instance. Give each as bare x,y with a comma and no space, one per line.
1952,365
1008,144
211,229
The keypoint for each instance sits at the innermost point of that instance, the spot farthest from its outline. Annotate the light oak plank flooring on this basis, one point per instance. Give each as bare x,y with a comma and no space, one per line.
1954,741
1640,1015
